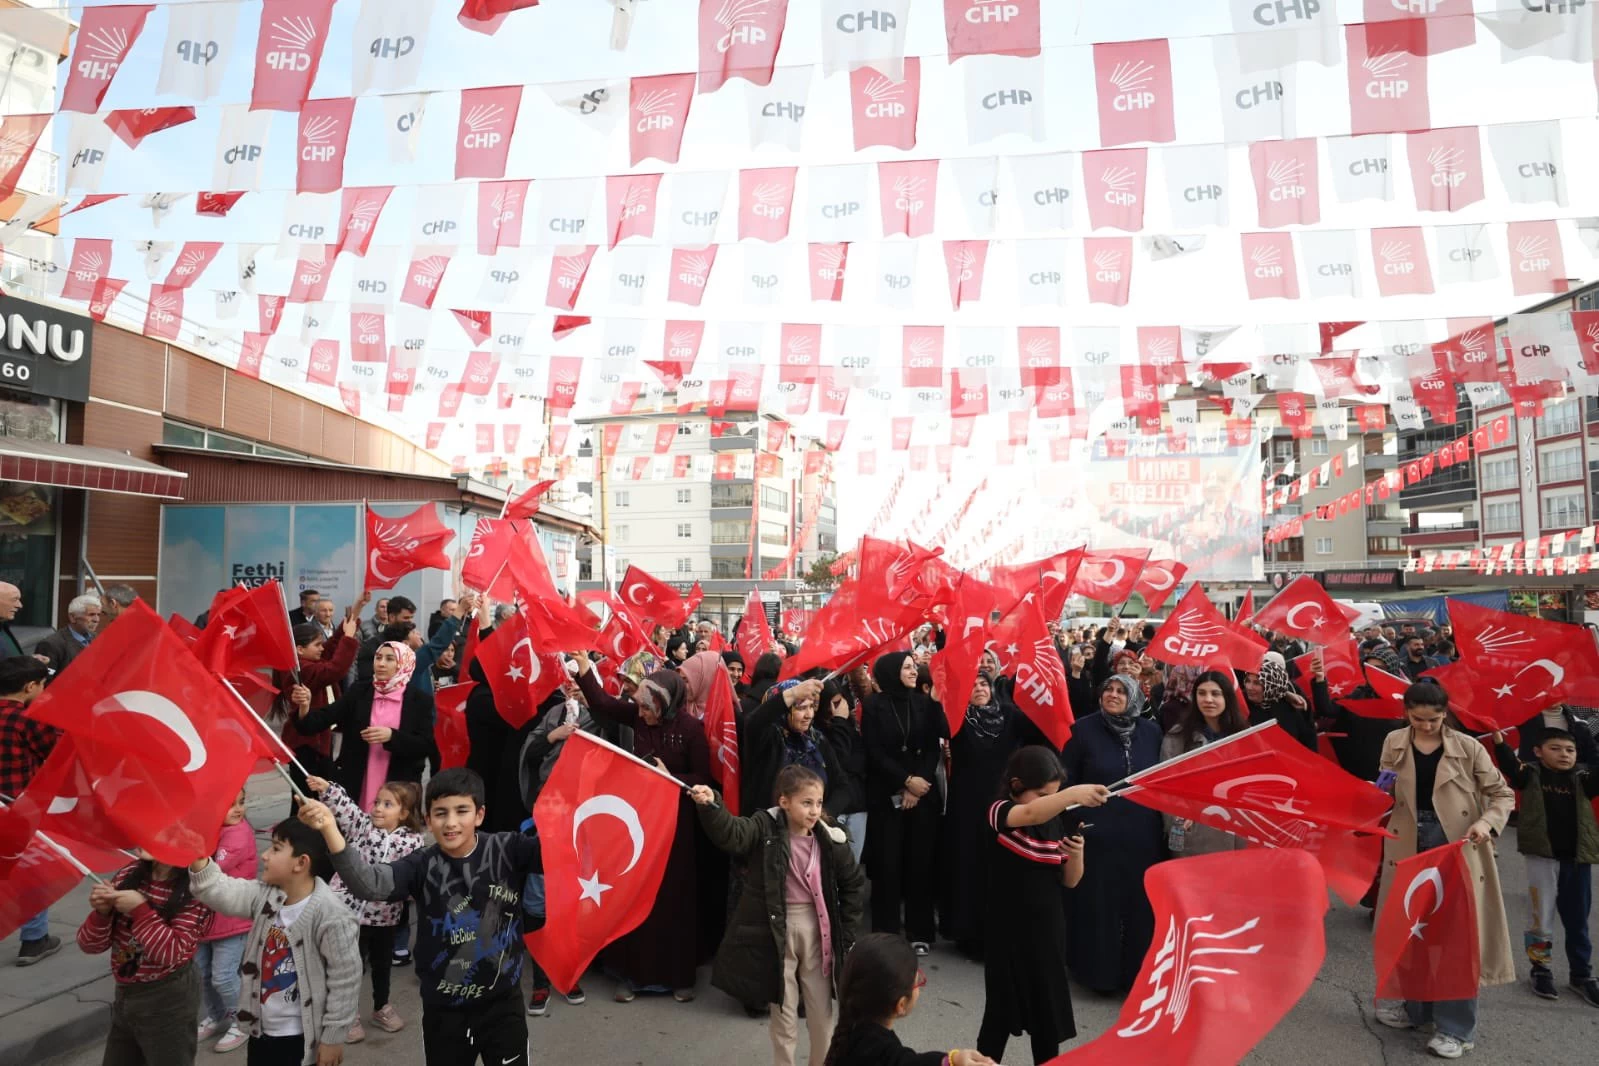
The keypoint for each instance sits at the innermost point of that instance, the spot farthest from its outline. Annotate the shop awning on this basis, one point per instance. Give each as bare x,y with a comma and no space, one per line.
76,466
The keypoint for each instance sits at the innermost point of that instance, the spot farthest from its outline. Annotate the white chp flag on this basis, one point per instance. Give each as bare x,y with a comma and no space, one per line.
1532,161
1278,33
1256,104
765,265
896,272
1043,189
777,110
308,218
976,183
1096,348
440,216
510,333
598,105
503,274
1041,272
1198,184
88,141
859,33
624,341
247,267
372,279
697,201
1362,167
1161,246
1331,267
565,209
241,149
154,252
838,204
402,118
161,205
35,206
1465,255
631,267
1004,95
388,44
198,49
857,350
1402,402
1560,29
228,304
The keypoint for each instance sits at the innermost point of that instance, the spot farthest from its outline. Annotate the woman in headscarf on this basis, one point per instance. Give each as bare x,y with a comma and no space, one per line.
904,731
1212,714
978,752
662,953
1272,696
1178,696
698,672
1109,914
387,726
1359,748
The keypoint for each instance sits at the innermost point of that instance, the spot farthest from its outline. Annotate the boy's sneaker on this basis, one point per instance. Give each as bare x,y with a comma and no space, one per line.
1449,1047
1395,1016
401,957
387,1020
1543,984
33,951
576,996
209,1027
233,1038
1587,991
538,1004
921,948
356,1034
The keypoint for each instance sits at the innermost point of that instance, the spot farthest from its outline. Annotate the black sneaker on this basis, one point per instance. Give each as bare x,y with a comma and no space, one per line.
1587,990
576,997
401,957
32,951
538,1004
1543,984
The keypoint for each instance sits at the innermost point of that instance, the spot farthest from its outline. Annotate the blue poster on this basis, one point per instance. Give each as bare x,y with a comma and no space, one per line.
256,548
191,569
325,554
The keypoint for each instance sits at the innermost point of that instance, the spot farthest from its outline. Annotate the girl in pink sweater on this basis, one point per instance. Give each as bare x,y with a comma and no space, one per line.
219,952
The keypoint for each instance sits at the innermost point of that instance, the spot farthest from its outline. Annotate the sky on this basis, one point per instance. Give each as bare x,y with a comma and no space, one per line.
566,40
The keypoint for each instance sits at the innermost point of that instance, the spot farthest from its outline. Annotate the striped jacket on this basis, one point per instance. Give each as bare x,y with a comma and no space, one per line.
144,946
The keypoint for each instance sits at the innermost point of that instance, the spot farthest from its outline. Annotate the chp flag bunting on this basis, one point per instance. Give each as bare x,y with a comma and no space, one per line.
605,822
397,546
739,39
105,37
1303,609
1196,634
166,745
1426,946
288,52
1522,665
1238,939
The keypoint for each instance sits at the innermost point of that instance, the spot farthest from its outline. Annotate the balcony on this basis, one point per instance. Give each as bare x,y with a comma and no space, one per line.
732,442
1453,535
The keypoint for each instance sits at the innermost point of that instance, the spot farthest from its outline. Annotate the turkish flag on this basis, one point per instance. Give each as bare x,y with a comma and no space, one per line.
606,822
397,546
1425,947
1027,651
623,635
1196,634
1522,665
652,600
527,504
754,634
520,676
166,745
721,734
1052,578
1341,661
855,623
1238,939
954,666
1303,609
247,630
552,622
60,802
484,567
1246,607
449,728
1158,580
1108,577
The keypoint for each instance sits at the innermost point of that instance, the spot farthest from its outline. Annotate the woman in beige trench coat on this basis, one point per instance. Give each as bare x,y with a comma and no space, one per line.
1469,800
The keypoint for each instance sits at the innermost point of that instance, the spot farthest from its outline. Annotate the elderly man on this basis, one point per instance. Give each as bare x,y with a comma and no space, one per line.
371,627
10,604
61,647
324,618
116,599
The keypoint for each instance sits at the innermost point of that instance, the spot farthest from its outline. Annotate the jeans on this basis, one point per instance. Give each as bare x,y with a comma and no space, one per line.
855,826
1559,889
1453,1017
36,928
218,963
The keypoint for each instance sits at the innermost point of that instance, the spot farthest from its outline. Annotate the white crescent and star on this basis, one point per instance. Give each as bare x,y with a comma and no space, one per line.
627,594
1292,611
372,565
1430,874
592,888
1118,570
156,706
1161,571
1557,673
513,671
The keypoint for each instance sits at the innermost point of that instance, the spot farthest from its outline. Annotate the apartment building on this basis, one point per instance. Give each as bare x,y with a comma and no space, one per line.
1364,537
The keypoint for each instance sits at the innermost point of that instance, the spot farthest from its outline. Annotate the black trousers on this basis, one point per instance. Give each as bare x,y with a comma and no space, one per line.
457,1036
992,1038
276,1051
377,944
900,847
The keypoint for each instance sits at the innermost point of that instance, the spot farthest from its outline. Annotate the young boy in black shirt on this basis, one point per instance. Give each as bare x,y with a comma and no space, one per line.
469,949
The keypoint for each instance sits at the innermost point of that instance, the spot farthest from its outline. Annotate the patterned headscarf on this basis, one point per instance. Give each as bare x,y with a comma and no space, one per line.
1180,681
664,688
1274,681
638,666
402,675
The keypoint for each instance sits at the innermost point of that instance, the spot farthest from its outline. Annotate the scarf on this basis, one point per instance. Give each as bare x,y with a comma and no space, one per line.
987,722
698,671
402,676
1123,724
801,748
1274,680
665,688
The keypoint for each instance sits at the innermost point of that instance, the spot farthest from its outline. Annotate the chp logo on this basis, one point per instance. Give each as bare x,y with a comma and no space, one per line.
875,21
504,206
1532,255
1285,179
317,139
103,51
1197,637
292,39
1160,352
1385,74
1395,258
909,195
829,262
883,98
1190,956
1267,262
1131,80
741,21
570,270
1119,183
1448,163
770,199
1108,265
481,125
962,264
694,269
654,110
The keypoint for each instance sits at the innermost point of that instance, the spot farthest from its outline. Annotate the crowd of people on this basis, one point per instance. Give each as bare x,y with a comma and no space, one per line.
860,812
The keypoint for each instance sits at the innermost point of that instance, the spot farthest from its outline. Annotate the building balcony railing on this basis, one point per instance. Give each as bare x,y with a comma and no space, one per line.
733,442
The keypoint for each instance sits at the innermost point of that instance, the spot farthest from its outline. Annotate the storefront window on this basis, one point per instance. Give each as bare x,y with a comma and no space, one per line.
29,514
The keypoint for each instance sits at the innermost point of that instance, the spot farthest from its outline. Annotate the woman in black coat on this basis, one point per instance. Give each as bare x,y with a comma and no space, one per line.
1271,696
408,743
1108,913
904,732
846,799
782,730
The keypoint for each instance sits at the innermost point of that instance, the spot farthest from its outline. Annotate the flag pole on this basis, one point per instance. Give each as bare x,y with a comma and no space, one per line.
71,858
267,730
506,506
1132,779
628,755
283,595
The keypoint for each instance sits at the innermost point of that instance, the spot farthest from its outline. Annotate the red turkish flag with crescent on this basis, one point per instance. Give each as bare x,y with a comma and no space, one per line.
651,600
105,36
1303,609
954,666
1160,577
449,727
397,546
60,802
1133,82
1052,578
288,52
1196,634
1028,652
1238,939
167,745
754,635
521,676
1341,661
1108,576
247,629
657,113
605,822
1425,947
739,39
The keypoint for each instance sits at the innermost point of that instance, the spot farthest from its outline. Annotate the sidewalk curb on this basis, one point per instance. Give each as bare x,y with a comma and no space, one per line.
64,1023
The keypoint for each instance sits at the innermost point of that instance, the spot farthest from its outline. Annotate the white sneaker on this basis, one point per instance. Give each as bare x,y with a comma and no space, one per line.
1395,1017
1448,1047
209,1027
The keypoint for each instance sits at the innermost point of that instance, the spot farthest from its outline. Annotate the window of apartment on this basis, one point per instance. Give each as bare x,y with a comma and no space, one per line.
774,533
1561,464
685,566
1499,474
1564,510
1384,545
730,532
1282,451
685,495
623,533
1560,417
727,568
1318,445
1502,517
622,497
732,495
771,497
1324,545
685,429
685,530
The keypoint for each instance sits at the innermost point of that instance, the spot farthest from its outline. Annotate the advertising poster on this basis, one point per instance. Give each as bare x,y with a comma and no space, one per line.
326,556
257,544
191,559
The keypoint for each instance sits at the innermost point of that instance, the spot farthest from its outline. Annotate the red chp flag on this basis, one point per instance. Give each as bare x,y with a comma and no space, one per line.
105,37
288,52
954,666
754,635
35,879
483,134
1523,665
1238,939
1303,609
739,39
606,821
60,802
721,734
1426,946
1387,77
652,600
397,546
885,110
1108,577
1196,634
1158,580
1133,82
527,504
247,629
854,624
166,745
521,677
983,27
658,111
1024,645
323,137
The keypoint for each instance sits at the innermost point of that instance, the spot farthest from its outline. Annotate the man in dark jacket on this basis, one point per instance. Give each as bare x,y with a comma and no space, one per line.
62,646
1415,660
306,612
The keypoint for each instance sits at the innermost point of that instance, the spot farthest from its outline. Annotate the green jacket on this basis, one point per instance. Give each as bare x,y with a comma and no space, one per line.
1532,827
749,963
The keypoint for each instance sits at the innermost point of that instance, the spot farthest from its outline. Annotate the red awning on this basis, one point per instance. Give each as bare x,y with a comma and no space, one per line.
75,466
